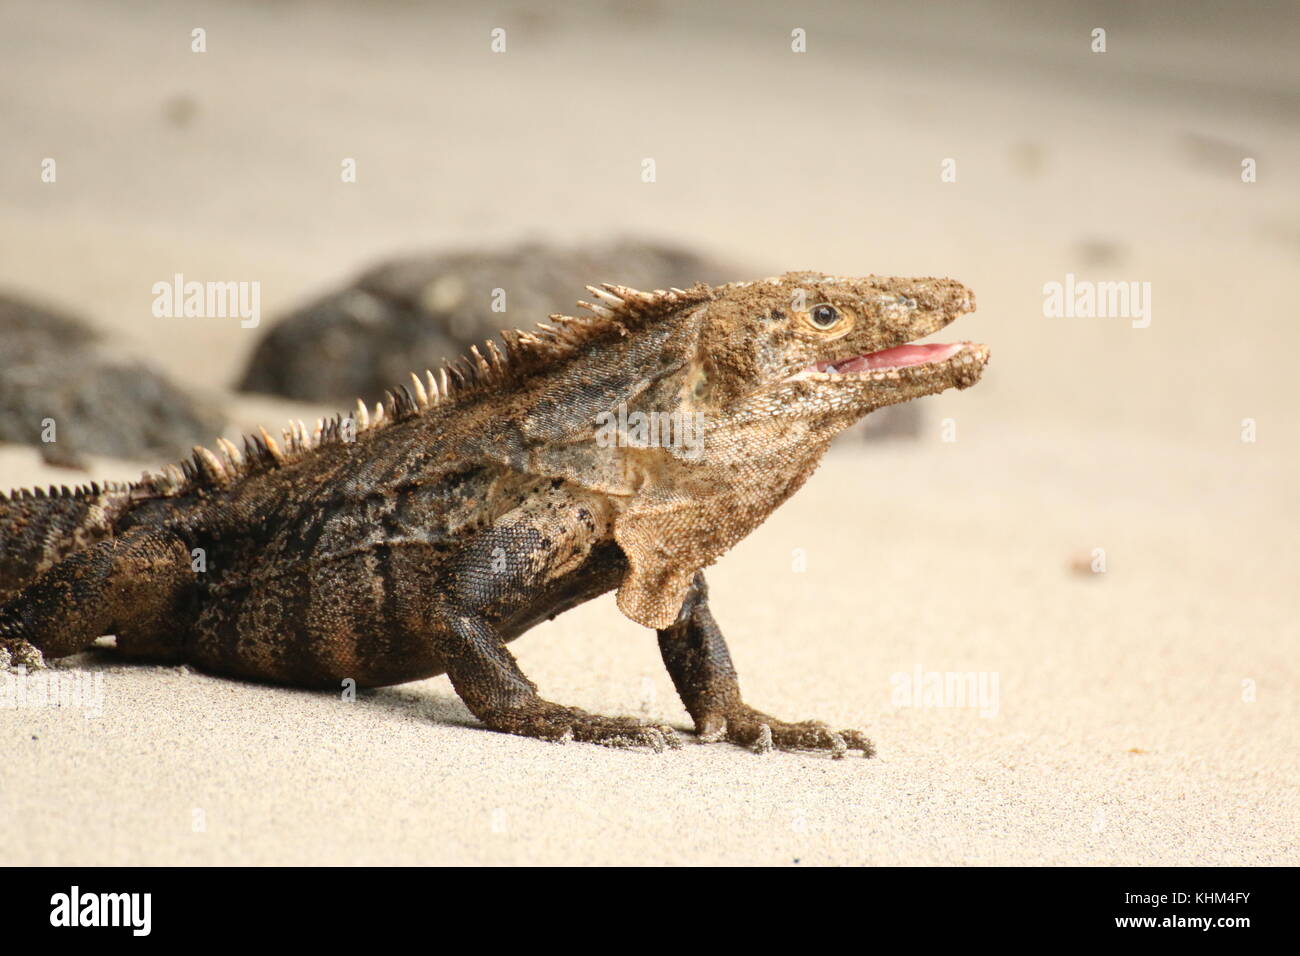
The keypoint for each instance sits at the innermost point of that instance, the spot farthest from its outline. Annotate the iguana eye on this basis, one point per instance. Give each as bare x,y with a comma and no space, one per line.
823,316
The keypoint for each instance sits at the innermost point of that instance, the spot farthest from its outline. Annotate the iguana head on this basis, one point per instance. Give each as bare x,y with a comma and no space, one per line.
771,371
830,348
698,411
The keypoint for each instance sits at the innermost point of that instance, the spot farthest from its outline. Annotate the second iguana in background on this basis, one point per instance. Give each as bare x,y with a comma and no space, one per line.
627,449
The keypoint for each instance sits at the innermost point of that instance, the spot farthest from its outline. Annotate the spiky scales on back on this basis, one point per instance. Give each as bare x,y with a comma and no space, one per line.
36,534
414,310
617,311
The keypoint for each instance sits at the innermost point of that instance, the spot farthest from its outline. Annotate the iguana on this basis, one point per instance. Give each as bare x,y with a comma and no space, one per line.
422,536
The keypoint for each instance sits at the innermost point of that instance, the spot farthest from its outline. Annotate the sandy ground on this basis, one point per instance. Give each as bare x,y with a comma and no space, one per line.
1144,715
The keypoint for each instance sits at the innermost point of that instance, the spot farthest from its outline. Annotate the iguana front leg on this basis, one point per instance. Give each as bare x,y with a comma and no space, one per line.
489,681
696,656
528,552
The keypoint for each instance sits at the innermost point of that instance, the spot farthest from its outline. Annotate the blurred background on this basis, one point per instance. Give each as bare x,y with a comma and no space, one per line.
1126,165
1173,448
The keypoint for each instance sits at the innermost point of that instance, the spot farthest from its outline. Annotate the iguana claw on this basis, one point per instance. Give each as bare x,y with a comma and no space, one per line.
762,734
16,653
548,721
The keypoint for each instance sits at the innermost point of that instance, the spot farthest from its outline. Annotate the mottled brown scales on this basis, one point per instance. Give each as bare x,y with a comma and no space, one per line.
421,536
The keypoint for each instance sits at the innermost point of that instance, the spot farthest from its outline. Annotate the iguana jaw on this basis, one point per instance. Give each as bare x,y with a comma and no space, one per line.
945,365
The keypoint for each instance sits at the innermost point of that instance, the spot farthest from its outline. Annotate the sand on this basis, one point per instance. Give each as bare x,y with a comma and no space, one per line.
1146,714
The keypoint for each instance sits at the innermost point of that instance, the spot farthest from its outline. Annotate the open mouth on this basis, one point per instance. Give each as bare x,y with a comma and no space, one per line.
900,361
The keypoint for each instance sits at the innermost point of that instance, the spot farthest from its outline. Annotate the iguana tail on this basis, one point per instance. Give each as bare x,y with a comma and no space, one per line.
39,528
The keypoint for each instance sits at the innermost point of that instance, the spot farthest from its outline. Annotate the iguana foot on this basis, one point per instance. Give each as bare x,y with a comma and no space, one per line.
548,721
16,652
756,730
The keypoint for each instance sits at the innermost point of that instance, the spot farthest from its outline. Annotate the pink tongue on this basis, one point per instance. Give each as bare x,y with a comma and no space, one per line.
903,355
900,356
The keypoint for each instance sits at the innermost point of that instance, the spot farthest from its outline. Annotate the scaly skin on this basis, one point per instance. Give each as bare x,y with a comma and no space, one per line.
422,537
